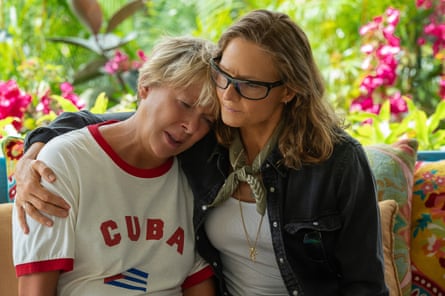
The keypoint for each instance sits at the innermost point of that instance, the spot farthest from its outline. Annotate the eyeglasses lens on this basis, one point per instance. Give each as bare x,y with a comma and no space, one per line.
246,89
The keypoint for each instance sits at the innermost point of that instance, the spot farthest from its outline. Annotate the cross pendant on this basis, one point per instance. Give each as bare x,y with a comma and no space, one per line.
252,254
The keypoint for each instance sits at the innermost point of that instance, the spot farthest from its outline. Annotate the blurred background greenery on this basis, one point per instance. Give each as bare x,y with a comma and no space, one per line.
46,42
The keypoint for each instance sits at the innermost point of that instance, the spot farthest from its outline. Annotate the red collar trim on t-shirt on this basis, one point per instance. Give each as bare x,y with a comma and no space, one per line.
138,172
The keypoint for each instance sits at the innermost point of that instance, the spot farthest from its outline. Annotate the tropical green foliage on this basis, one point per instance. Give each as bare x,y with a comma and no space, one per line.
44,43
416,124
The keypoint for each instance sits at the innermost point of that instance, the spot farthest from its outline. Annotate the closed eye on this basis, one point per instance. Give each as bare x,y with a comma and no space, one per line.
209,120
185,104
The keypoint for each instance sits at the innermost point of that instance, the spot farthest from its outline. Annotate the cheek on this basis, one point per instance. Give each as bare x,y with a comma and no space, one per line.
265,110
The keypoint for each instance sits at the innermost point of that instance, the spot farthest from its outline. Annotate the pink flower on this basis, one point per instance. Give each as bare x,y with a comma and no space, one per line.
68,93
427,4
371,26
121,63
138,63
117,63
370,83
13,102
397,104
442,87
393,16
367,48
44,104
421,41
366,104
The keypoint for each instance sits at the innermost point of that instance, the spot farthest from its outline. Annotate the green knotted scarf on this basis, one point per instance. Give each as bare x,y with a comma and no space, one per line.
242,172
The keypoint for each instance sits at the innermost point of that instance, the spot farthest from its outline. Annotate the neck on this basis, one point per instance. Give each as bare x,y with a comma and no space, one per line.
254,141
123,139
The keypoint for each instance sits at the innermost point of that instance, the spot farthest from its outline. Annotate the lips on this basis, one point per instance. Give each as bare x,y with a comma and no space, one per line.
172,140
229,109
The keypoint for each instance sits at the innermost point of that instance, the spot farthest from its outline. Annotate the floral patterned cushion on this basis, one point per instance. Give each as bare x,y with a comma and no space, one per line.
12,149
393,168
428,229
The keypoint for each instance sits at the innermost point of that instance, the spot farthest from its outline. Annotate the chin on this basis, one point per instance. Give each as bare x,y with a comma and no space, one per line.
230,121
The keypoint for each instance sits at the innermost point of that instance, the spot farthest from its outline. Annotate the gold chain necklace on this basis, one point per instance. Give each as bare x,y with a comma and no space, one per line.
252,248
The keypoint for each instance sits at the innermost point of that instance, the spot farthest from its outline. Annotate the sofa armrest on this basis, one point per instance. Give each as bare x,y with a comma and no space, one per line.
8,279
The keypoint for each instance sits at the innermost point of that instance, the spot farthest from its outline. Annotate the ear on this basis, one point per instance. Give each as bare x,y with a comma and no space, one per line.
289,95
143,91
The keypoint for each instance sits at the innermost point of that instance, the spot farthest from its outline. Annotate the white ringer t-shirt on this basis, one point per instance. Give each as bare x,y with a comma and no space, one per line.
129,230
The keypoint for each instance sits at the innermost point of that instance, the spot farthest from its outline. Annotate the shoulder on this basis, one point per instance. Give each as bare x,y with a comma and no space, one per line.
66,144
347,145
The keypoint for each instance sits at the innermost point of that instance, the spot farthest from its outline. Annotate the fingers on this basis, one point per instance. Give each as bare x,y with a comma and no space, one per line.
21,215
32,199
30,210
43,171
30,190
42,199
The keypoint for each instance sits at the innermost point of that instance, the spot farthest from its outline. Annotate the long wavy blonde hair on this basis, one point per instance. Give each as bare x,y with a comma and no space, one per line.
311,127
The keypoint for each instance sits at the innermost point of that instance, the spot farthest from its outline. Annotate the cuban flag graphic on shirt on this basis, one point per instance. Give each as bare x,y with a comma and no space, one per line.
132,279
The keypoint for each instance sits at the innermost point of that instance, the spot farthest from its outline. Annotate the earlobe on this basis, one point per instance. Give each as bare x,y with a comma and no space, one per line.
289,96
143,91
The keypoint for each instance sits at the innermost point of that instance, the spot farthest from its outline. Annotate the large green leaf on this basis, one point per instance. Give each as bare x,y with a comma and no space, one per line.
67,105
123,13
89,13
99,44
101,104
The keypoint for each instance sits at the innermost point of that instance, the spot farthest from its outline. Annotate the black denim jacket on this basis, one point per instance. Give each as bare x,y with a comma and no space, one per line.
324,218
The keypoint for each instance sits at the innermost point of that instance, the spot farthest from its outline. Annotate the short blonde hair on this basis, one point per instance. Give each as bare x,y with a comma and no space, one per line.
180,62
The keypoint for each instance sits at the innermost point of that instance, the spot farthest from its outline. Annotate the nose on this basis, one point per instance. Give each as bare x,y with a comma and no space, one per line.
230,92
191,124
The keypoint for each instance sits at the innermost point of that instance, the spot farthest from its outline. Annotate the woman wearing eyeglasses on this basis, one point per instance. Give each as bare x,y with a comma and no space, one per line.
285,202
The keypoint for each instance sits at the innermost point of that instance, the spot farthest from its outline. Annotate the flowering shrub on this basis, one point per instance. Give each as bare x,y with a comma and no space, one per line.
381,49
391,87
13,102
20,112
23,110
121,62
384,57
434,31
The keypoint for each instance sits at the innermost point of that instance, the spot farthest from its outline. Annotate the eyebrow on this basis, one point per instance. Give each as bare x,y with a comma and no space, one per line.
239,77
264,83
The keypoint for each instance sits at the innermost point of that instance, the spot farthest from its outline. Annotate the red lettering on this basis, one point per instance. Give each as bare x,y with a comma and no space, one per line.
155,229
106,228
178,239
133,229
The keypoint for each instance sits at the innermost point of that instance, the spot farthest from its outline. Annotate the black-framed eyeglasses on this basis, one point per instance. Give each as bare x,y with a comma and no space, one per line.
249,89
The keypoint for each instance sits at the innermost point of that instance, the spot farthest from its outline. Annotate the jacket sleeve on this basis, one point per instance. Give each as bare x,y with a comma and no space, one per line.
359,248
69,121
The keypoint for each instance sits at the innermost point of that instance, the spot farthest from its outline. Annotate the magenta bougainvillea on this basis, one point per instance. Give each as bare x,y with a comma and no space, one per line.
381,48
18,104
383,53
13,102
121,62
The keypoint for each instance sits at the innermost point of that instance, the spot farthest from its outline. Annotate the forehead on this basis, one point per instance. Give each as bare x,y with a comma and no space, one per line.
193,96
245,59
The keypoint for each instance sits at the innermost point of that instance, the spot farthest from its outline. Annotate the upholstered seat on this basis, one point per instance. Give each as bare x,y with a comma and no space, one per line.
8,280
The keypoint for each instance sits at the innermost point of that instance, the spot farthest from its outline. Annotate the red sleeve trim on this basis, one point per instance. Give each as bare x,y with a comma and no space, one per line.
198,277
44,266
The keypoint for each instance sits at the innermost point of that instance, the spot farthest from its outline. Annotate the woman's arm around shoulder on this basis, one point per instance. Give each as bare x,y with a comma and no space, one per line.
69,121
